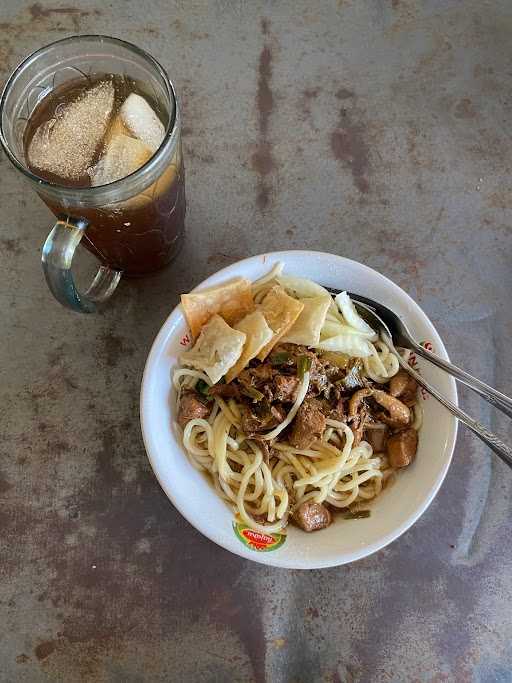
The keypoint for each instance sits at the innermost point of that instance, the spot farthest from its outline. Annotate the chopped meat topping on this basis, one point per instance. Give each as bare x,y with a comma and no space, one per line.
265,449
286,388
259,377
334,408
376,438
353,378
262,373
225,390
312,516
318,381
396,413
404,387
308,425
356,402
358,425
251,423
278,413
260,418
402,447
335,392
191,407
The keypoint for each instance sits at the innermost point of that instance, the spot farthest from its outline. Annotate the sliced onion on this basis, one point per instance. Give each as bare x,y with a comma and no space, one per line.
352,317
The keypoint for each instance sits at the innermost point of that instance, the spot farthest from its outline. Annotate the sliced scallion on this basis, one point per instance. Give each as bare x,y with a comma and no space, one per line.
359,514
303,366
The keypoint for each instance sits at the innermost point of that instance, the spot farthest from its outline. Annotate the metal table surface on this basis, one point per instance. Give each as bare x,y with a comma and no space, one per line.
374,129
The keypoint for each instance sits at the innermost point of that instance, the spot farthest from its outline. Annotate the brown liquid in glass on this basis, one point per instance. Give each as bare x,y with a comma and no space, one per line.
138,235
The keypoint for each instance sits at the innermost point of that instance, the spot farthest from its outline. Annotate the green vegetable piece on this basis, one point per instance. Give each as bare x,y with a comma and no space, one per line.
303,366
252,393
359,514
280,358
202,387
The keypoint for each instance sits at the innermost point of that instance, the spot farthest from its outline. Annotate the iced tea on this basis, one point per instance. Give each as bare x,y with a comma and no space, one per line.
94,131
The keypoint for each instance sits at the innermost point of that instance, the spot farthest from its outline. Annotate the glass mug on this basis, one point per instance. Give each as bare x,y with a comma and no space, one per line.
134,225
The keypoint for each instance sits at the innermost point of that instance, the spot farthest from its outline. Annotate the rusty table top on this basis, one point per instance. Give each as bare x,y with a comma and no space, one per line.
375,129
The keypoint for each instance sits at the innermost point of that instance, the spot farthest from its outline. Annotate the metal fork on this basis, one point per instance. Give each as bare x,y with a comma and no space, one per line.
391,328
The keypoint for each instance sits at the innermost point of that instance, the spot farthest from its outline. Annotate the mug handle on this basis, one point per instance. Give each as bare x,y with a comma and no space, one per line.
58,252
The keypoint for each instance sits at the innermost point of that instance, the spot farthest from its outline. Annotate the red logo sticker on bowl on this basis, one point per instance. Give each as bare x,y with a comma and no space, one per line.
255,540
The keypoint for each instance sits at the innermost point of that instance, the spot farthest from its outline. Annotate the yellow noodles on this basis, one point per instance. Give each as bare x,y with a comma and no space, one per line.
382,364
325,472
263,479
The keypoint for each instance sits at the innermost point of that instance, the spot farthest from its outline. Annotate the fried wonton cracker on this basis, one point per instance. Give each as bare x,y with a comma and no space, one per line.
302,288
216,350
280,312
258,334
306,329
231,300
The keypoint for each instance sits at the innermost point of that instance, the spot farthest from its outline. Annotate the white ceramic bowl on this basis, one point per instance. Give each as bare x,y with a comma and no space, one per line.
393,512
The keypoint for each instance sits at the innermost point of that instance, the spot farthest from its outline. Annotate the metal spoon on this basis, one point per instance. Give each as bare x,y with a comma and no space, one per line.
378,317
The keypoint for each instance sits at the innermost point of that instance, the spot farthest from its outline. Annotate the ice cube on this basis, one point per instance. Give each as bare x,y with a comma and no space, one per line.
116,128
142,121
123,155
67,144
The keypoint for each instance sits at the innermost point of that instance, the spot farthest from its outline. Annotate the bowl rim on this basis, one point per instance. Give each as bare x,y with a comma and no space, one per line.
273,559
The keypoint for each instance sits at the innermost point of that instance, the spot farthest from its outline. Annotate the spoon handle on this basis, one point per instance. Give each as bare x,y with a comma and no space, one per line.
491,440
494,397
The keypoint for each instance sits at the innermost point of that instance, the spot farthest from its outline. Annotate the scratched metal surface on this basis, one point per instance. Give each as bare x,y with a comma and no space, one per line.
377,130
